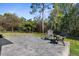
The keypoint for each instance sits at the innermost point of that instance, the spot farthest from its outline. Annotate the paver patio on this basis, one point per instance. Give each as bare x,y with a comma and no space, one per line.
27,45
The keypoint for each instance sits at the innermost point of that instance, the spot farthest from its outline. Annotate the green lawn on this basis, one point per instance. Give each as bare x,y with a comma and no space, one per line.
7,34
74,44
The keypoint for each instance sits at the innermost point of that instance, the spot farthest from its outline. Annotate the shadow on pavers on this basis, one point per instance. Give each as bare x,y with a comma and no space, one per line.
3,42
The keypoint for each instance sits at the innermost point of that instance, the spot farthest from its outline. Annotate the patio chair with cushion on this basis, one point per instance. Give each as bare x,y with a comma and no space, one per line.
54,38
50,36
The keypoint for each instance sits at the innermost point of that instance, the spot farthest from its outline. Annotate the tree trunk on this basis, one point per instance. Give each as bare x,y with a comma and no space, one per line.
43,19
42,24
12,29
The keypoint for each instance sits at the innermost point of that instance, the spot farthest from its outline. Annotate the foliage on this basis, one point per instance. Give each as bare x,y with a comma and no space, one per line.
9,21
70,22
64,18
2,29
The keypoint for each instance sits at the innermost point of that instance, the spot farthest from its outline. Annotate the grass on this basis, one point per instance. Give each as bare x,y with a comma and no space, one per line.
74,44
7,34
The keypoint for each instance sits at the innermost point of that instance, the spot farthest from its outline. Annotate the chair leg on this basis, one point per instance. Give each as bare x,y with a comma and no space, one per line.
63,41
1,36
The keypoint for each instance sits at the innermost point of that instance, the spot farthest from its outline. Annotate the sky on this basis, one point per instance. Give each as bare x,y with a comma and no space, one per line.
20,9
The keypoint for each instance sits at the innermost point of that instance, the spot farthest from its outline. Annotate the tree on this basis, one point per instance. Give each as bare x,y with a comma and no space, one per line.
55,16
11,21
1,20
70,22
41,8
58,12
1,23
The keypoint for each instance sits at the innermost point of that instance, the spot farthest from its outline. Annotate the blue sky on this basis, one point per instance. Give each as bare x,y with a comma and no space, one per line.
20,9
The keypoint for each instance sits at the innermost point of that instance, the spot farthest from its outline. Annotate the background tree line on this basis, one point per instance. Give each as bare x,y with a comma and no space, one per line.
11,22
64,18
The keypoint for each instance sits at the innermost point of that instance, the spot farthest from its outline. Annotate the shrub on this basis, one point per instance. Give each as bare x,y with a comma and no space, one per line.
2,29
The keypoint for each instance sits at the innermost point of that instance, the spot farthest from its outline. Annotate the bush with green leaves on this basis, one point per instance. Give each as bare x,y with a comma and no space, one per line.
2,29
